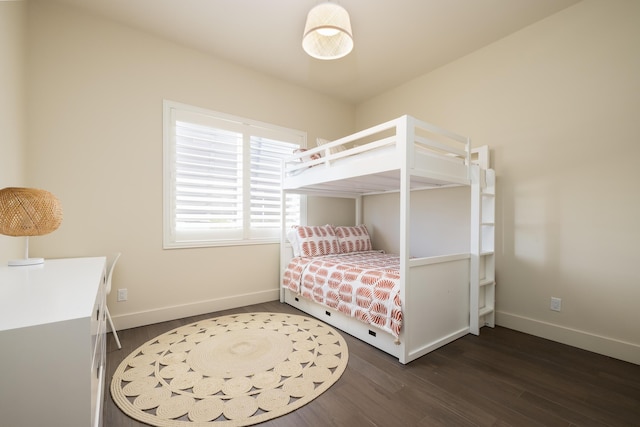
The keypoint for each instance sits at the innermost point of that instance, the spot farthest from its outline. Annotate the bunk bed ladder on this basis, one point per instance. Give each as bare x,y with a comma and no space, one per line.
482,277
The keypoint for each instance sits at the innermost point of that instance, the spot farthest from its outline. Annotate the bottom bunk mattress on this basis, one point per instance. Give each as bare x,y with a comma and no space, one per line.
364,285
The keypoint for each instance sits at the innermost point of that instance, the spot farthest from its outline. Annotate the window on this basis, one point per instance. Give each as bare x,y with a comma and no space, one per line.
222,178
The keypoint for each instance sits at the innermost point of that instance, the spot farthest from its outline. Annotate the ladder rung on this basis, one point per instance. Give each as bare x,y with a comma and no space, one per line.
487,282
485,310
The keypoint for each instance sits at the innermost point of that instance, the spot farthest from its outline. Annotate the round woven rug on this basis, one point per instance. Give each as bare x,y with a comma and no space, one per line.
234,370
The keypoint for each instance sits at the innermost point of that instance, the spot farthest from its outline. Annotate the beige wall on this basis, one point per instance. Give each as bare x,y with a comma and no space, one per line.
327,210
439,221
95,118
559,103
12,110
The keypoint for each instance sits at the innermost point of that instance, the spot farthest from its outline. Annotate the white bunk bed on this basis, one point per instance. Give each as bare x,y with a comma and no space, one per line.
444,297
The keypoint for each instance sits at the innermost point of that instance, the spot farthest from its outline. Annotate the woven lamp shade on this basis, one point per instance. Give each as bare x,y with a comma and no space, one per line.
327,32
28,212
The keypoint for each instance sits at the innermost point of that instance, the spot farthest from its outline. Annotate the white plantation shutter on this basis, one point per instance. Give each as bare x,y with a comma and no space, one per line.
266,162
208,178
223,178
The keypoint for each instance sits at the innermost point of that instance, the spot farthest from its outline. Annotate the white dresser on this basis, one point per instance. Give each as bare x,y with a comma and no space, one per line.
52,343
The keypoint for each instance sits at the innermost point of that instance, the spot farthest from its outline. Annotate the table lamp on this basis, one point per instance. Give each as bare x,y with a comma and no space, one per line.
28,212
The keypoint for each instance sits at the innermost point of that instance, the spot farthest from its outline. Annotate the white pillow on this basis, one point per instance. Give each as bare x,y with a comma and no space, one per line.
332,150
292,237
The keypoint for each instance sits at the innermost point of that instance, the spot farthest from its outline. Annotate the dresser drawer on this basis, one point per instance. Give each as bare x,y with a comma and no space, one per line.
98,315
98,351
97,396
98,345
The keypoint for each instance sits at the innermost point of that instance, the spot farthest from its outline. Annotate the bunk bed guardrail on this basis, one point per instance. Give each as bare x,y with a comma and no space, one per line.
389,138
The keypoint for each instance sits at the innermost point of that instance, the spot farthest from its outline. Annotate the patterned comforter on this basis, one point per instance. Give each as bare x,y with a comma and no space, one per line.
364,285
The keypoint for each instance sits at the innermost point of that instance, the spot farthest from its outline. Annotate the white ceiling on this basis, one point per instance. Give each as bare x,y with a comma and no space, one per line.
395,40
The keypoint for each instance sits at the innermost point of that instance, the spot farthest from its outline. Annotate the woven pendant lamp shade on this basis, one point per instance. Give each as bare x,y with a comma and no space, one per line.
327,33
28,212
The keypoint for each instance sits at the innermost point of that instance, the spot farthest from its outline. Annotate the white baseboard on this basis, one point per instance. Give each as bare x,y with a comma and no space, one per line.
611,347
149,317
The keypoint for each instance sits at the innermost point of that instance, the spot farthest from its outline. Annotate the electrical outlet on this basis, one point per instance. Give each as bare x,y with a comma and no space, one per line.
122,294
556,304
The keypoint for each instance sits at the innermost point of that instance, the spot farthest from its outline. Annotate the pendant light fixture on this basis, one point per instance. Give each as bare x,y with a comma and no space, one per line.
327,33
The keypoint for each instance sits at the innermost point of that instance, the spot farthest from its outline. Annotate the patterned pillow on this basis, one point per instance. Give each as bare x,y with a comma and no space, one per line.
317,240
307,158
354,239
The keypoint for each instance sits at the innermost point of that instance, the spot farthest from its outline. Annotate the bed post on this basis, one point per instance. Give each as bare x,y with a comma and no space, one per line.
405,134
283,225
474,250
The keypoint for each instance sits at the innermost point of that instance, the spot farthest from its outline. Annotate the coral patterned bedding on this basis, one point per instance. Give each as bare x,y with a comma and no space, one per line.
364,285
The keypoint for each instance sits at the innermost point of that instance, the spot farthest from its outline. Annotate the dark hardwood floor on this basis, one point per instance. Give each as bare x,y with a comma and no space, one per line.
501,378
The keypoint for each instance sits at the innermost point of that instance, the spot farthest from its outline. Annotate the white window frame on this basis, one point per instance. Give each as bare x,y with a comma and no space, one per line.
173,238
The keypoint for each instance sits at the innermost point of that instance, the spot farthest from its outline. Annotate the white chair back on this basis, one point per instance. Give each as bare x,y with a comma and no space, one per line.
111,263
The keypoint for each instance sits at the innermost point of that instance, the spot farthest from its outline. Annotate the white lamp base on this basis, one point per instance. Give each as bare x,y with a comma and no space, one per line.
26,261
